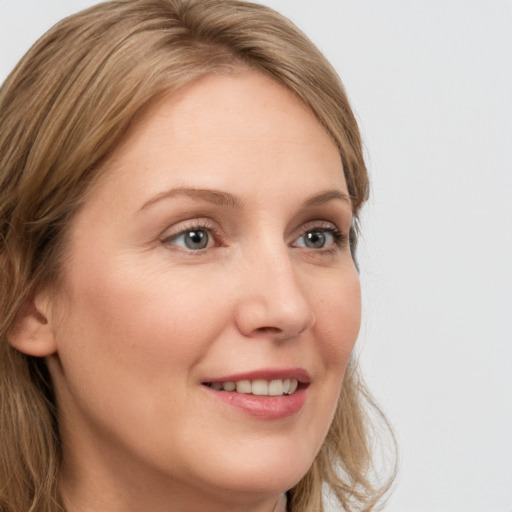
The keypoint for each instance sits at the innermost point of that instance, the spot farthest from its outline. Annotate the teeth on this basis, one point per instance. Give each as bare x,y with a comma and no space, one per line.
259,387
244,386
275,387
229,386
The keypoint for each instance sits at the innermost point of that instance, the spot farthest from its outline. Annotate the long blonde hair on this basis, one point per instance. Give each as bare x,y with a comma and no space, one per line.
62,110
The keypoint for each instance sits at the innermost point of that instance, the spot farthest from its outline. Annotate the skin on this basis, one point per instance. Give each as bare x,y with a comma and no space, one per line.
142,320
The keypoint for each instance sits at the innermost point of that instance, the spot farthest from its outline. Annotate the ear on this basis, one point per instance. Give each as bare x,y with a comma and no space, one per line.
32,332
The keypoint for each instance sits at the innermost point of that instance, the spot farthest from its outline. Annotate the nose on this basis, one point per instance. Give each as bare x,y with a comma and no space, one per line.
273,302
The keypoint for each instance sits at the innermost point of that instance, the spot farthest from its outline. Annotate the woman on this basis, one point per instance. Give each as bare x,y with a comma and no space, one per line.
180,188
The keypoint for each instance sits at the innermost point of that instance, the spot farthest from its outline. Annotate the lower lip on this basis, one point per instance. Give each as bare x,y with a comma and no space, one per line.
264,407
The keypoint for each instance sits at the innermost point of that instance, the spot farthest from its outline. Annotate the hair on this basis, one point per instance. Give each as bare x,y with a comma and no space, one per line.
63,109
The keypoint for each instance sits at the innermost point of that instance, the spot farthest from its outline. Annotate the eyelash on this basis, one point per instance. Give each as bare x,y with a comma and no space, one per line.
195,226
339,239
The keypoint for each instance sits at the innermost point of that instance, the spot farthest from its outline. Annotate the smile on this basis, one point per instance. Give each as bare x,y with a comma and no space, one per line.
259,387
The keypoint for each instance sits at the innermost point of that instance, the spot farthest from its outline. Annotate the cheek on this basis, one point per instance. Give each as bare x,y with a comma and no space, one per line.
139,317
338,316
126,344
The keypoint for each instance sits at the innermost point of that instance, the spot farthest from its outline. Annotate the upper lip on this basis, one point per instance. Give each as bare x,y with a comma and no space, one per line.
265,374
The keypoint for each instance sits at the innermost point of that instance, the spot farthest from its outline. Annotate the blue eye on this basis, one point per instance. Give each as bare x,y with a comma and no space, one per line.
319,238
192,239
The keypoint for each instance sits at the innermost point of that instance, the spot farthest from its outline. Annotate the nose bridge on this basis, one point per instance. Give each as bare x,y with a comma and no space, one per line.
273,300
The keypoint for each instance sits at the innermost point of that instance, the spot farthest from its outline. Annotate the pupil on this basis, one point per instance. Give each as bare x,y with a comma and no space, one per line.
196,239
315,239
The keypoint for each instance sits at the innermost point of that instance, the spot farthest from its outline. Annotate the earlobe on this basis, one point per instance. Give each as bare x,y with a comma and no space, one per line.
32,332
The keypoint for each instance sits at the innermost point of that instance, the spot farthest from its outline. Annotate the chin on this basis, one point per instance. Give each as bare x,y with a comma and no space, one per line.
270,470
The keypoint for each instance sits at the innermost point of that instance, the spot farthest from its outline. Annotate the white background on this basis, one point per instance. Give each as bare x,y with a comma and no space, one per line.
431,83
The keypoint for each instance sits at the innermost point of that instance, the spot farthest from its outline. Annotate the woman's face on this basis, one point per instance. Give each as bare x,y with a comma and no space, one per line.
212,250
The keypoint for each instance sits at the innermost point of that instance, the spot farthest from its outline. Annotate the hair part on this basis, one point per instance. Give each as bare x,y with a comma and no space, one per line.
63,110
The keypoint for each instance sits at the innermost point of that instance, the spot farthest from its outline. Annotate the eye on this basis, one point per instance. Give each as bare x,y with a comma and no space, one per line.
320,238
193,239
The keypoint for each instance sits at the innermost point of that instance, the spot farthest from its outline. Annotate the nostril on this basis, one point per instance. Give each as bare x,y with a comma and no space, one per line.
266,330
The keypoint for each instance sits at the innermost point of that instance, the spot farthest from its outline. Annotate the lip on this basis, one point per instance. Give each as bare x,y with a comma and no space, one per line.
263,407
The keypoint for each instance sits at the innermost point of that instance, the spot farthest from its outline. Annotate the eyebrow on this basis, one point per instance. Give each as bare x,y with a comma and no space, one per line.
325,197
215,197
220,198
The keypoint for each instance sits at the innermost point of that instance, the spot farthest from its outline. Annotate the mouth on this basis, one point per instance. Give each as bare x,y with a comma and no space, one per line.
264,395
258,387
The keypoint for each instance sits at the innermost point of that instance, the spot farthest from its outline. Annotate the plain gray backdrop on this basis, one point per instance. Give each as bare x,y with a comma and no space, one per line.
431,84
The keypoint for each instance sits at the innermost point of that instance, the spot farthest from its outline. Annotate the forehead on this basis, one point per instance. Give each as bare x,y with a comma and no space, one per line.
245,124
